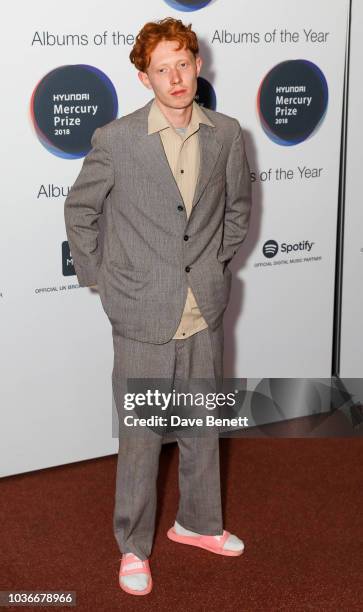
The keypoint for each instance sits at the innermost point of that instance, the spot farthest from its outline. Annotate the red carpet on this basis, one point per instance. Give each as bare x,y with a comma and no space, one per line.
296,503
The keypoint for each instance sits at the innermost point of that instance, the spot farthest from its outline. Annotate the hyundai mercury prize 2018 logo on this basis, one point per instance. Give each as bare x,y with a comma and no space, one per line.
68,104
292,101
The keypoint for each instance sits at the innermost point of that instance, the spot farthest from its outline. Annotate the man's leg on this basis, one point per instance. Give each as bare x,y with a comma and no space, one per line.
139,450
199,512
200,357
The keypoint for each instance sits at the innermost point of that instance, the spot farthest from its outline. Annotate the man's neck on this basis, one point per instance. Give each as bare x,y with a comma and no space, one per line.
177,117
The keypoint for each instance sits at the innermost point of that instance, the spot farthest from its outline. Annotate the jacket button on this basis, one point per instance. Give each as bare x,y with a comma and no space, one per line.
187,269
180,207
186,237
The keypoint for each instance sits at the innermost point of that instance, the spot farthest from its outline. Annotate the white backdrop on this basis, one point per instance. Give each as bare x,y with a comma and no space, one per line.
56,346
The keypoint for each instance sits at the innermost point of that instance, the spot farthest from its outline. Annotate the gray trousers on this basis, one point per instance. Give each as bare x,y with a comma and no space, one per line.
199,356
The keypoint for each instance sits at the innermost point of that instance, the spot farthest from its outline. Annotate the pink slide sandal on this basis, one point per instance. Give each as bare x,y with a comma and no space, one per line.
137,567
203,541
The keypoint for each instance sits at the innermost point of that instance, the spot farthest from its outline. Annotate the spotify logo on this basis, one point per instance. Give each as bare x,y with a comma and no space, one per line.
68,104
270,248
292,101
187,5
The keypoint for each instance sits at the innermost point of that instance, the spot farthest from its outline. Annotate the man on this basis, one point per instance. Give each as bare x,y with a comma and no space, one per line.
171,184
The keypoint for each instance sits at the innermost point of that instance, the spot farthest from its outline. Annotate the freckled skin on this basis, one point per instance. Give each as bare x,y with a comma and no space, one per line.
171,70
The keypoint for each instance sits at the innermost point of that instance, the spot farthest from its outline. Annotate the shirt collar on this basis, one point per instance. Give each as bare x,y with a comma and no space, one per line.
157,120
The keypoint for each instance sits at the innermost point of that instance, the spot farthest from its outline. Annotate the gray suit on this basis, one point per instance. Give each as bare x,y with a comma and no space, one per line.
140,259
129,233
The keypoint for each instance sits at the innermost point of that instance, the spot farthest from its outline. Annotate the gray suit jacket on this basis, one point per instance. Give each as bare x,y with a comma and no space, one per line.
128,230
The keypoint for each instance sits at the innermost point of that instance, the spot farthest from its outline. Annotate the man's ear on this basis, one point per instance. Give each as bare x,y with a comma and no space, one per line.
198,63
144,79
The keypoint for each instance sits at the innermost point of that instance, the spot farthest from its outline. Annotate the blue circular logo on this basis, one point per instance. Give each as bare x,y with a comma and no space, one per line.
187,5
292,101
205,95
68,104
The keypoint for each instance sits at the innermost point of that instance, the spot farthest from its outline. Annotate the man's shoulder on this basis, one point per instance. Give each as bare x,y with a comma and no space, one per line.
131,121
222,120
129,124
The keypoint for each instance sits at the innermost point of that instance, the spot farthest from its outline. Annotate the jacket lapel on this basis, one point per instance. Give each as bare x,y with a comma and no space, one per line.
151,154
210,149
155,163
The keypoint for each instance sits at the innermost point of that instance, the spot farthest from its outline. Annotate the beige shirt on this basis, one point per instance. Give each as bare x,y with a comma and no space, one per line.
182,152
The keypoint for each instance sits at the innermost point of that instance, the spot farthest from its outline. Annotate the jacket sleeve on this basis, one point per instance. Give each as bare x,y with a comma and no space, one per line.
238,198
83,207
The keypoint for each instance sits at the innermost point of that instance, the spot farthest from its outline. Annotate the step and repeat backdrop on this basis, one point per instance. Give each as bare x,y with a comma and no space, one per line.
278,67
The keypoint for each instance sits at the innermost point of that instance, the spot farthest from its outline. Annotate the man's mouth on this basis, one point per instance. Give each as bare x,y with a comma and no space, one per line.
178,92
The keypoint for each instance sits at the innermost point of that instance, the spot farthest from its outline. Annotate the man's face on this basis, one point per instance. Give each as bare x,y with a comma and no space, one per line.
172,74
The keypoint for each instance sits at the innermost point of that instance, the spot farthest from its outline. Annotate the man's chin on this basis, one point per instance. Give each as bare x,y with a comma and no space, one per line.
180,101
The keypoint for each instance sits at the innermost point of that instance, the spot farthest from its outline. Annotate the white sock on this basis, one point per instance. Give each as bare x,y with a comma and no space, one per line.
137,582
232,542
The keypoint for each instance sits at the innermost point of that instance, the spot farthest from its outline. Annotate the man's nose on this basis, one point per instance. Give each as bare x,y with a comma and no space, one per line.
175,77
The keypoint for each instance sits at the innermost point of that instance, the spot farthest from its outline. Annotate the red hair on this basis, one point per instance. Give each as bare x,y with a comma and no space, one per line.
154,32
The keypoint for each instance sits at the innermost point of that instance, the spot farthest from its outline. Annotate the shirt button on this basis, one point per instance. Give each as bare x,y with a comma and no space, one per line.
187,269
180,207
186,237
182,171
